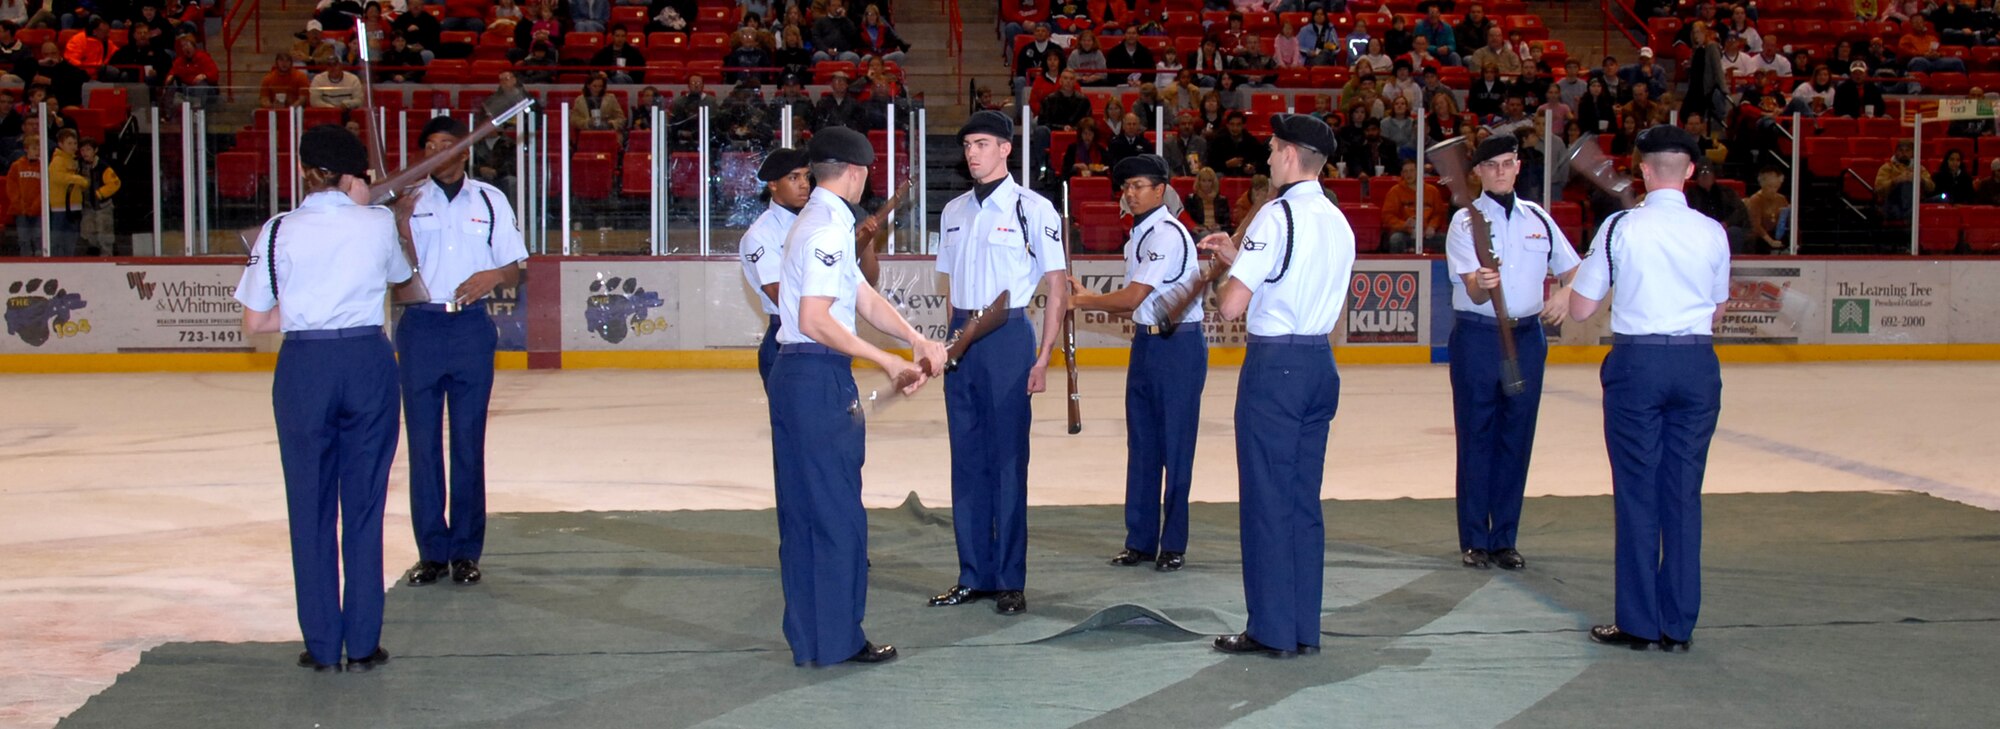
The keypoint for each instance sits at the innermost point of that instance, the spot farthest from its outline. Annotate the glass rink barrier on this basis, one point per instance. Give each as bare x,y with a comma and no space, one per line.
669,167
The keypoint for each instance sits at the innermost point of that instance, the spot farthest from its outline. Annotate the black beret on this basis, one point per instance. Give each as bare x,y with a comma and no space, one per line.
840,144
1305,131
447,124
1667,138
1495,146
331,147
988,122
781,162
1150,166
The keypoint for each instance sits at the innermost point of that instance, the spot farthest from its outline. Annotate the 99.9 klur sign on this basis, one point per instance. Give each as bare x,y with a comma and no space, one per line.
1385,307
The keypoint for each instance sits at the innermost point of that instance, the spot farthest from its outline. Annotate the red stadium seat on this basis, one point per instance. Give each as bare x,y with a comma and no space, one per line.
1982,228
1832,126
710,45
1378,187
237,175
1824,155
596,141
1098,229
581,46
1859,190
1880,127
1233,187
1569,217
1366,220
1091,189
630,17
1938,227
1344,189
684,179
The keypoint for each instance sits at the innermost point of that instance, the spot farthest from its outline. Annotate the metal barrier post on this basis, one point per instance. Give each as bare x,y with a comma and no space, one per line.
271,158
1916,184
42,156
1794,232
707,175
923,201
1417,232
889,120
568,240
201,173
188,180
158,207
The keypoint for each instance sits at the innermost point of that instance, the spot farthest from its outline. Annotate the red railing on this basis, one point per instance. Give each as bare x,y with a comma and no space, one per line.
955,46
240,15
1618,14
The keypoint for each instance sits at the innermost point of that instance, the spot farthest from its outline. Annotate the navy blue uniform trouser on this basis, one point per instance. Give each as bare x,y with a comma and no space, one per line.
986,409
1660,409
767,353
820,445
1286,398
1496,431
1163,385
447,365
336,409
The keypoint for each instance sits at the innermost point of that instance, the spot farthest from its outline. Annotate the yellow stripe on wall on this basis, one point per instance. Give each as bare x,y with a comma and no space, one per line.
176,362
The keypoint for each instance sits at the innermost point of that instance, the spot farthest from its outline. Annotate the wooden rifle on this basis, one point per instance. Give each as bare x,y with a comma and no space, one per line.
977,326
412,291
1454,164
1588,160
1069,340
872,231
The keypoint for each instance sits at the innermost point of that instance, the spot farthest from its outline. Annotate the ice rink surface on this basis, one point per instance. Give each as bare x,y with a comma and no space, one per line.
142,509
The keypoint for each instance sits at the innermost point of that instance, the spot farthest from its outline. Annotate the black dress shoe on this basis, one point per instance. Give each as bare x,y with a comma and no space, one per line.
306,661
1308,650
1128,557
1170,562
369,663
1476,559
960,595
1242,643
1612,635
465,572
871,653
1011,602
1509,559
1670,645
426,572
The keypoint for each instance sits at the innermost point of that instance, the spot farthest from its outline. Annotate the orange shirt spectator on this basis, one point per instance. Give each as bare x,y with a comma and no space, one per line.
1401,206
89,51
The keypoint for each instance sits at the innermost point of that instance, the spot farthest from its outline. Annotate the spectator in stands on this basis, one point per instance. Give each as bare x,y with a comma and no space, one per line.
1892,182
1987,190
1900,11
539,67
1705,95
1740,28
1487,92
163,33
1067,107
1369,153
333,88
1857,96
745,125
1443,41
283,86
794,58
1512,118
1229,89
1881,61
1183,96
1400,85
142,61
1818,89
1772,60
14,12
338,14
596,110
1958,24
1169,67
64,79
1030,59
1128,58
1399,213
1206,63
685,111
67,189
837,106
1361,91
1954,179
1400,125
1129,141
505,95
834,35
1396,41
1735,59
24,196
539,28
1474,32
16,59
1186,148
1071,17
749,54
378,32
1923,48
1420,55
1250,64
421,29
1319,41
1087,157
1711,147
1048,81
1767,209
1721,204
1149,106
505,15
1239,153
1442,116
89,50
313,48
1211,115
1206,210
1495,54
792,93
623,62
1285,48
1089,61
1372,58
1642,106
589,16
1628,132
1019,17
97,231
1644,73
883,82
405,64
879,39
1553,105
1254,196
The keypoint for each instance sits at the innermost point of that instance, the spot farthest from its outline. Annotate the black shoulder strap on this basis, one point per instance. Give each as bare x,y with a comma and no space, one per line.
492,219
1285,205
1548,228
271,255
1021,216
1611,231
1187,252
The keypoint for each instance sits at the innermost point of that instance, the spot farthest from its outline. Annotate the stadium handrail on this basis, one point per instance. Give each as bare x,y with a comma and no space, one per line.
1621,15
239,15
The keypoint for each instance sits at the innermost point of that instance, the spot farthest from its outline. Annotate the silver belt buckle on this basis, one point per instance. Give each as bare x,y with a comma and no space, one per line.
452,307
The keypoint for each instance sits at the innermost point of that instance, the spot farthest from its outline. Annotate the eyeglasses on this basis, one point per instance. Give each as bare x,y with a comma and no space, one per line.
1138,186
440,143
